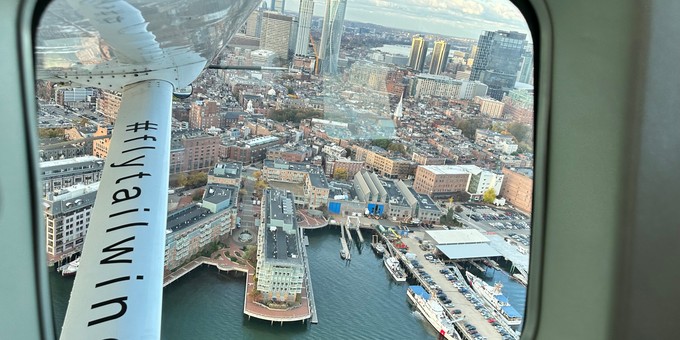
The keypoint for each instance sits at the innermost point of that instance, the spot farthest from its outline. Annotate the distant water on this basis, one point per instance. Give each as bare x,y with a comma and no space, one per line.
394,49
355,301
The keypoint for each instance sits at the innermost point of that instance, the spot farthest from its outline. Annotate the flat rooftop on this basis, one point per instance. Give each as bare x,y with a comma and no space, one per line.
216,193
446,169
185,217
468,251
463,236
227,170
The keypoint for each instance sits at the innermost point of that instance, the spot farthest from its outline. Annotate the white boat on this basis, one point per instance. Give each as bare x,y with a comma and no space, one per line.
433,312
71,268
519,277
393,266
378,247
495,298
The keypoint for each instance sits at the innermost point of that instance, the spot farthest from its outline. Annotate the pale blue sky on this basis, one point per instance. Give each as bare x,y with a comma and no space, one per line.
461,18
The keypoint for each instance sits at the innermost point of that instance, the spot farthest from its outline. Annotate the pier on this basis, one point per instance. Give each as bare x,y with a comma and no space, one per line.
354,222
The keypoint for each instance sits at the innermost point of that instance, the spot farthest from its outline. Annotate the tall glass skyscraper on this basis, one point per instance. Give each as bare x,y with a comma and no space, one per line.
416,59
331,35
498,59
304,26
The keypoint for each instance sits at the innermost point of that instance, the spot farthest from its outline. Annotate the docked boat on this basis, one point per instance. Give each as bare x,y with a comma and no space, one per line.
393,266
495,298
378,248
519,277
433,312
71,268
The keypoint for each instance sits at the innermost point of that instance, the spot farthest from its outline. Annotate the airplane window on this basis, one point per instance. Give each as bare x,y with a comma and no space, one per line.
397,133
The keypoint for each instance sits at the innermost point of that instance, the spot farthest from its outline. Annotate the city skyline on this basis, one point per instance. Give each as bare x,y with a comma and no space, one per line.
454,18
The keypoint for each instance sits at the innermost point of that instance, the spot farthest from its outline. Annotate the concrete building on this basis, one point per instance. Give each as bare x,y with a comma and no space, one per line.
519,106
416,59
490,107
343,164
253,25
518,186
305,11
226,173
426,158
276,33
252,150
100,147
108,104
315,186
384,164
193,228
193,150
73,97
263,58
437,85
280,267
290,153
437,180
67,217
64,173
482,180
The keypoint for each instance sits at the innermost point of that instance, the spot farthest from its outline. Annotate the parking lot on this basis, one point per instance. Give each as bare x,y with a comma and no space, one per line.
443,281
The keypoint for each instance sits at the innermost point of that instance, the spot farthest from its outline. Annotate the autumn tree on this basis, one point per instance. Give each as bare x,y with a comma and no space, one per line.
340,174
489,196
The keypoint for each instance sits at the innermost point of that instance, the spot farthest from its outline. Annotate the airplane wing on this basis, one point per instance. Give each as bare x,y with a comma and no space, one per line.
144,49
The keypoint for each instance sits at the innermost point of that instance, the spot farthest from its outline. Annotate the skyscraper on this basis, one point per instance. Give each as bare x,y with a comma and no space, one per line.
416,59
304,26
498,60
275,34
277,5
440,55
331,35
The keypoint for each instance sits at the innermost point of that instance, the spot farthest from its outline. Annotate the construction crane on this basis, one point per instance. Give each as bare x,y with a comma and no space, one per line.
316,54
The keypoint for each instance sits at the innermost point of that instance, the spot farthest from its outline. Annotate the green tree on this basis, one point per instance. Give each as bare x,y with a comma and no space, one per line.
459,209
519,131
397,147
182,179
197,179
383,143
51,133
489,196
340,174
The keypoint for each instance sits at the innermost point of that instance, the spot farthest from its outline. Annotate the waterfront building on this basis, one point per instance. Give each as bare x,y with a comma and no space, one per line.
280,267
276,34
331,35
440,56
497,61
67,217
438,180
304,27
226,173
385,164
518,187
193,228
416,59
315,186
64,173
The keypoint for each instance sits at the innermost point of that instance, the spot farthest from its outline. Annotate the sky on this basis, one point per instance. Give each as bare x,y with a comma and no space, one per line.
456,18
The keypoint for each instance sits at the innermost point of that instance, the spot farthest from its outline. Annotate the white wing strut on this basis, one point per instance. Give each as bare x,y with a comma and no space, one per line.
118,293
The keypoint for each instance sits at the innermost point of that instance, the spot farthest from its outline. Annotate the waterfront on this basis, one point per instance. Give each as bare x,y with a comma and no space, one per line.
355,301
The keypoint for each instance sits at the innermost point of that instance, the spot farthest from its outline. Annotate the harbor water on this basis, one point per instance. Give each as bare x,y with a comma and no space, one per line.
355,300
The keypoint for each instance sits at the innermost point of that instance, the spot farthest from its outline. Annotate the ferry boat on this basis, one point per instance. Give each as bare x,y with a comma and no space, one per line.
433,312
495,298
378,247
393,266
71,268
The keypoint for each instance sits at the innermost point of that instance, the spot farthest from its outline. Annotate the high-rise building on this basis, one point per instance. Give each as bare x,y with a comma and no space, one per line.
440,55
331,35
275,35
526,72
253,25
277,5
304,27
498,59
416,59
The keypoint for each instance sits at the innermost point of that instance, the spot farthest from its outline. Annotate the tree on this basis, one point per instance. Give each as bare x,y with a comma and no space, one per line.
383,143
340,174
198,195
257,175
197,179
182,179
519,131
489,196
459,209
397,147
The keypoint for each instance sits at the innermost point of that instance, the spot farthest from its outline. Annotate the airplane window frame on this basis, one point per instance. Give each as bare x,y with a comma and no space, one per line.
539,23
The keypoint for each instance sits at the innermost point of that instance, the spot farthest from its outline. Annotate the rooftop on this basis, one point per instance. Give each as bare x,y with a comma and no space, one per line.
467,251
216,193
70,162
463,236
185,217
227,170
